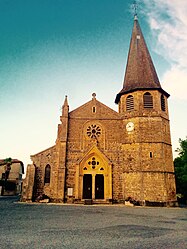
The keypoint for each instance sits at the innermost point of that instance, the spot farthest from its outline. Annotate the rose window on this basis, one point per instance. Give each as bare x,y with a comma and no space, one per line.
93,131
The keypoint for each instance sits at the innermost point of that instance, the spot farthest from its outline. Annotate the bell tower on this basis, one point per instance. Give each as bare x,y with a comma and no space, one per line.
148,163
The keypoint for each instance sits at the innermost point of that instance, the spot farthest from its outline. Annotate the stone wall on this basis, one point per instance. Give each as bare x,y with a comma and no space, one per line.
140,161
28,184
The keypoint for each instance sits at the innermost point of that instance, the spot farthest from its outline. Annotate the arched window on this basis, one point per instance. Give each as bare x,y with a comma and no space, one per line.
163,104
47,174
129,103
148,101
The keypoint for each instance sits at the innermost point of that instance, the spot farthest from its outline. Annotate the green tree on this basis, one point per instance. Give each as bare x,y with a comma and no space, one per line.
180,164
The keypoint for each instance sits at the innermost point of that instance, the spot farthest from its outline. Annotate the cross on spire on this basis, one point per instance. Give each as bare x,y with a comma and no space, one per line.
93,95
135,7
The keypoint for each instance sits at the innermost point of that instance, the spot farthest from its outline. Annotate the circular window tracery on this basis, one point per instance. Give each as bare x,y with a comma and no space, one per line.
93,131
93,162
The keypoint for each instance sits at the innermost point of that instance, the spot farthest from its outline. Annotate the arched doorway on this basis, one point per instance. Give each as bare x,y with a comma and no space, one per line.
94,177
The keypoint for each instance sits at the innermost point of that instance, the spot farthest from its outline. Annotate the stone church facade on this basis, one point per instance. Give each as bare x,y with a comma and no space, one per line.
107,156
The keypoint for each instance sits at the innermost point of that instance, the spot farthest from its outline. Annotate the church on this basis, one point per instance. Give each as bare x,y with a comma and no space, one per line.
102,156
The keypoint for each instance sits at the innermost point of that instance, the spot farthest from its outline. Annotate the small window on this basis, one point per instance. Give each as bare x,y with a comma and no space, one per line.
47,174
148,101
129,103
151,154
94,109
163,104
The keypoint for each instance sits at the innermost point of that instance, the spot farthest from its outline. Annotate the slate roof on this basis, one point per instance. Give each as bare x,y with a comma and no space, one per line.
140,71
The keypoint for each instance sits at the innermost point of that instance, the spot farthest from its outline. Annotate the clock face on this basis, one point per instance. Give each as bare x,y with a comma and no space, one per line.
130,126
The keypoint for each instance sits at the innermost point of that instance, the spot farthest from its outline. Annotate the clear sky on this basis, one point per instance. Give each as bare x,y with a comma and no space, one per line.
53,48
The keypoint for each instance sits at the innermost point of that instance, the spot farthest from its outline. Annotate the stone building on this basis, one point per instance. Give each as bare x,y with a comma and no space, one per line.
11,177
107,156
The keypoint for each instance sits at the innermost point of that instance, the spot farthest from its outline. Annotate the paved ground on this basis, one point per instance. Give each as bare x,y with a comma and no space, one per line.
112,227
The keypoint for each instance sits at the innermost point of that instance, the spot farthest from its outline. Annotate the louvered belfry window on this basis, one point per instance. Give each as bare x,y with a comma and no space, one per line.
148,101
129,103
47,174
163,104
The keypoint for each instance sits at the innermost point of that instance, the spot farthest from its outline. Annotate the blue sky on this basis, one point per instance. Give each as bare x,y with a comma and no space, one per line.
53,48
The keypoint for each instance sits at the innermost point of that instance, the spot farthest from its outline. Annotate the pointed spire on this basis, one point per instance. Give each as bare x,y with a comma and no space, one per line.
66,101
140,71
65,107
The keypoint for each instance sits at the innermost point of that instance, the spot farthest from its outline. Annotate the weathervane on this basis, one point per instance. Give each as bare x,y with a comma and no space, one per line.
135,7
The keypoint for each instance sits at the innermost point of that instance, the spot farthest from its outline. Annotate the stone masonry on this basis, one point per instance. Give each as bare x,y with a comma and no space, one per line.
106,156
